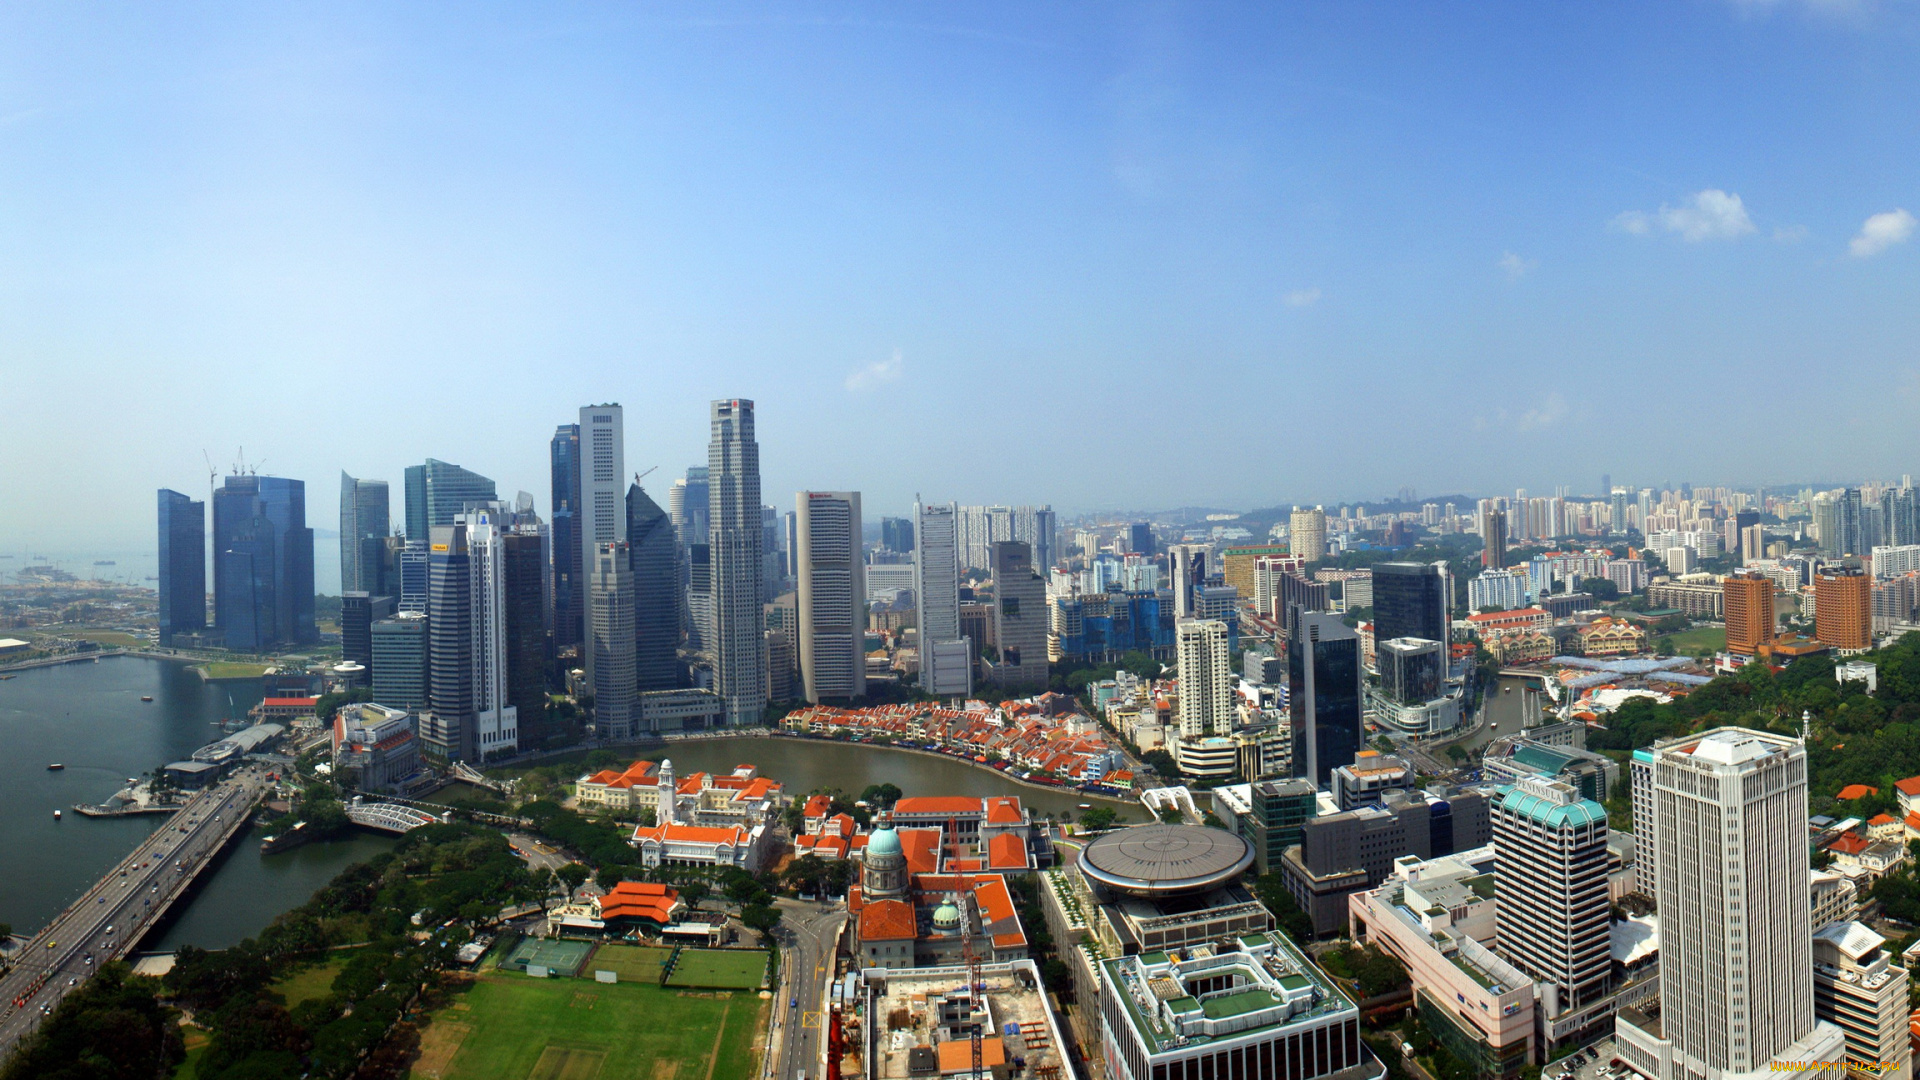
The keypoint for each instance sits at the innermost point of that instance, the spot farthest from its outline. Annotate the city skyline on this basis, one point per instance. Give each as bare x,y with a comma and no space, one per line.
862,223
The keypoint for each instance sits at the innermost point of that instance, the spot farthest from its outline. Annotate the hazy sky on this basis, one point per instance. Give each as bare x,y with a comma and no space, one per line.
1101,255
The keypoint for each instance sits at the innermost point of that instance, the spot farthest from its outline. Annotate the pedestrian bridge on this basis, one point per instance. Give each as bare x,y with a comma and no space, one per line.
389,817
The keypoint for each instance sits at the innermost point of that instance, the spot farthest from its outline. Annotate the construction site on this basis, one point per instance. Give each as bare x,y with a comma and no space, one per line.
924,1023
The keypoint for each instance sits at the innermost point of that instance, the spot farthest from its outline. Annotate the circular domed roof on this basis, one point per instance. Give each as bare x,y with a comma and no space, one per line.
946,915
1164,860
884,842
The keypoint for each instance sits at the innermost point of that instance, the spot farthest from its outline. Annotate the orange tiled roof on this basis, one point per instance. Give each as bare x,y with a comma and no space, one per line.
1882,819
1848,844
639,900
1856,791
1909,786
1004,810
817,806
1006,851
922,848
887,920
691,834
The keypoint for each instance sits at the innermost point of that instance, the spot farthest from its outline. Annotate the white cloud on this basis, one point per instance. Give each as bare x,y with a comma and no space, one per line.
1516,267
876,374
1303,297
1880,232
1790,234
1708,215
1545,415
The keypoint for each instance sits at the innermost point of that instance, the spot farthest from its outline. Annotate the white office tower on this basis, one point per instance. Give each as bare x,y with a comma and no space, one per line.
602,516
496,721
1857,990
1184,564
1206,678
1552,918
611,641
833,595
1736,927
734,536
946,655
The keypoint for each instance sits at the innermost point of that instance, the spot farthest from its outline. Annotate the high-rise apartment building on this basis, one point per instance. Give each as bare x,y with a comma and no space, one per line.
1206,678
1307,533
946,655
1409,600
526,556
400,678
1324,677
569,557
183,565
1019,619
832,596
1900,512
1736,933
263,563
364,509
610,641
438,492
1552,919
1749,612
1843,608
656,593
735,534
1493,539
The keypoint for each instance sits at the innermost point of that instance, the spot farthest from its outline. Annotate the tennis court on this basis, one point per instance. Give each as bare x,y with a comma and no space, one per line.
720,969
633,963
558,957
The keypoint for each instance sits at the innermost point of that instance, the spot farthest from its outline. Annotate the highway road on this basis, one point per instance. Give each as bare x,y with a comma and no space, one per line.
807,936
104,924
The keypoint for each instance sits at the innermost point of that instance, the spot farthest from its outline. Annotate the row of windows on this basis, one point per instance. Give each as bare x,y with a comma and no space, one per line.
1296,1057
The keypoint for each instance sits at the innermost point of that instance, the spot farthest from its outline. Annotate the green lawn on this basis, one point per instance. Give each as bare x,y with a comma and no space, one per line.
743,969
633,963
511,1027
1699,640
312,982
111,638
228,669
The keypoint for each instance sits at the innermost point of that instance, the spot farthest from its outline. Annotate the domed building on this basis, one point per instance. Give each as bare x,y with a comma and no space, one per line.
885,874
909,913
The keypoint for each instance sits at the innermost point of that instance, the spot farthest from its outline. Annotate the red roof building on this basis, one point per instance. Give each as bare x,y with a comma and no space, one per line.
643,900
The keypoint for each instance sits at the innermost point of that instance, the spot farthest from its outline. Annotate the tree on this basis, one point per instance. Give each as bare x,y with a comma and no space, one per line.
881,795
573,874
693,892
1602,589
1098,818
762,918
1456,754
1171,815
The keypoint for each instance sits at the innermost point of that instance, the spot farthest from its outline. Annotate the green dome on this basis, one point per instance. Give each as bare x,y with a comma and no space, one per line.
883,842
946,915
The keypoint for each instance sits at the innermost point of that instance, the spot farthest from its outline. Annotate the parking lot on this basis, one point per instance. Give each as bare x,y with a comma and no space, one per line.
1591,1062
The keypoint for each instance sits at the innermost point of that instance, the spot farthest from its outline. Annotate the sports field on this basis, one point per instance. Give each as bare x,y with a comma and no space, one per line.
504,1027
633,963
739,969
560,957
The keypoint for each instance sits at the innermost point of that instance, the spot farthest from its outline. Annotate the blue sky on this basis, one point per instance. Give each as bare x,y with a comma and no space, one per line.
1102,255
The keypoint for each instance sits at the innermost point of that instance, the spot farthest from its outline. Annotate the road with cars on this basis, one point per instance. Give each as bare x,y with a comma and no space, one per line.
105,923
808,934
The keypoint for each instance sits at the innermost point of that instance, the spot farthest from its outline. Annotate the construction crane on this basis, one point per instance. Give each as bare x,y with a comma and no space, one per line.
976,982
212,474
637,477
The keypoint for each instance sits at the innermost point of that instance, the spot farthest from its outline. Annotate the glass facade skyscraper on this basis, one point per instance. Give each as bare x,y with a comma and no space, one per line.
735,537
183,565
447,727
263,563
1323,684
437,491
1409,601
364,526
656,593
569,566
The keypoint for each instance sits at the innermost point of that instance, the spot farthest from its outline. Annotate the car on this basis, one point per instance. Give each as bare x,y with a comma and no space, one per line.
794,1004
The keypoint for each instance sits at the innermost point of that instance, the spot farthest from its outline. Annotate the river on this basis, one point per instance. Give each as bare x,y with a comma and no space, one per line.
89,717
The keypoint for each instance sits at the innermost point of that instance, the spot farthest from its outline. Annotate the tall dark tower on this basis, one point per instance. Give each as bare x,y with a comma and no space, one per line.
183,565
1409,600
1323,684
569,568
735,536
656,593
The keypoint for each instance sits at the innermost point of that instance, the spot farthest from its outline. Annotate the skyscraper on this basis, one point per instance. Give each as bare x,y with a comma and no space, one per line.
896,534
525,558
656,593
1307,533
1736,926
263,563
1019,618
183,565
1140,538
437,492
1901,513
1552,918
689,505
496,721
415,576
611,641
400,651
739,647
833,596
1323,692
1843,608
946,655
363,535
1409,601
602,518
1493,539
1749,611
1206,678
569,555
358,612
446,728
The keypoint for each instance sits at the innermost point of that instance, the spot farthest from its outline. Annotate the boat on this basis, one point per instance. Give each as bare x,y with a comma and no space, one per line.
55,767
4,678
56,815
146,697
103,562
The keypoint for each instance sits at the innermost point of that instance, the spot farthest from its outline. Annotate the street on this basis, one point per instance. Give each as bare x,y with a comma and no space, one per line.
807,934
103,924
